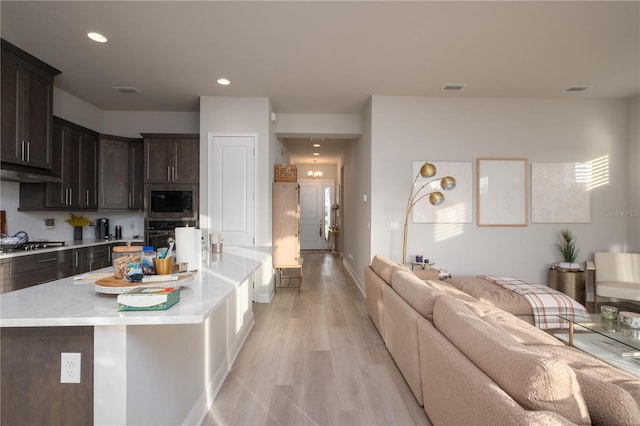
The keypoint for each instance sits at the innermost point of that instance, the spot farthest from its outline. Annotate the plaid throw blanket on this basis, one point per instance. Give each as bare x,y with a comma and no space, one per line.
546,303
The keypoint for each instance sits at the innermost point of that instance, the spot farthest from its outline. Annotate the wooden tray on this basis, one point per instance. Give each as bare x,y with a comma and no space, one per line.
113,285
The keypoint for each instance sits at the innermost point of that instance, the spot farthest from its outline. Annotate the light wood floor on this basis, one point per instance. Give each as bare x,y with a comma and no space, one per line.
315,358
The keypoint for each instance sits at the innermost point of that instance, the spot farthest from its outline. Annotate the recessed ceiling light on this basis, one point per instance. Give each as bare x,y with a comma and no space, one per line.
223,82
126,89
576,88
453,86
316,145
316,153
97,37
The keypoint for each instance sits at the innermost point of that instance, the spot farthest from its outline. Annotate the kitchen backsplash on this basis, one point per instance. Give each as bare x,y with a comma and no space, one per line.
33,222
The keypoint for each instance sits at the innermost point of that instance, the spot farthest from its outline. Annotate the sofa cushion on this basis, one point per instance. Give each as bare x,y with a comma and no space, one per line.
515,327
384,267
451,291
619,290
492,294
533,380
612,395
427,274
415,292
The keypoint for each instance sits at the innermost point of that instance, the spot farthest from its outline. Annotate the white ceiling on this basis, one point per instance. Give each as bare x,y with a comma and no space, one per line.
329,57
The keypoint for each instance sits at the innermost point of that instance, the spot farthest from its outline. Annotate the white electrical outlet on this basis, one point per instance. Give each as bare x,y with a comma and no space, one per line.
70,367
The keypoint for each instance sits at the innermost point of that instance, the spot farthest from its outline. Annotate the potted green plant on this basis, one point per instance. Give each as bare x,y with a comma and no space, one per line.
568,251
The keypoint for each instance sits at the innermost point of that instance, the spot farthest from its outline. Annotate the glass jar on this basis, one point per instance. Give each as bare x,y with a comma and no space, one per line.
125,257
147,260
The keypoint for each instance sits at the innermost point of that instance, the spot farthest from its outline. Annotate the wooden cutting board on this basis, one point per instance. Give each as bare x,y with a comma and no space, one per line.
113,285
3,222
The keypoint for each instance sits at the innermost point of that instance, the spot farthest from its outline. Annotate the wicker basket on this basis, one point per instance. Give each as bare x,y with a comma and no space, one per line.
285,173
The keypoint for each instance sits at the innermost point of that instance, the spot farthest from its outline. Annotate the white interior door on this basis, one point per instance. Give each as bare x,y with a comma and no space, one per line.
311,215
231,185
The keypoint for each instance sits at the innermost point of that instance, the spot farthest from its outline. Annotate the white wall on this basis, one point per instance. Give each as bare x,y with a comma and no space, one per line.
131,123
357,213
77,111
405,129
347,126
240,115
633,160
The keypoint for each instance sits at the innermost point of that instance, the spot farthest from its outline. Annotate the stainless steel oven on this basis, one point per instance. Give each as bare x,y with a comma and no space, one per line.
159,233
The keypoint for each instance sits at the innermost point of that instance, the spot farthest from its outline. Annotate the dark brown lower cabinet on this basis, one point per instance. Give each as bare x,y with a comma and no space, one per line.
30,376
27,271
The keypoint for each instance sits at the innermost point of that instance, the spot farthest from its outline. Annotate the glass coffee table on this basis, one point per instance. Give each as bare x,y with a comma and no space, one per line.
606,340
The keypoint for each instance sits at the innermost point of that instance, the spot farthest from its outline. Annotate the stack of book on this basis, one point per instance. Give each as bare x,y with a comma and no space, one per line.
148,299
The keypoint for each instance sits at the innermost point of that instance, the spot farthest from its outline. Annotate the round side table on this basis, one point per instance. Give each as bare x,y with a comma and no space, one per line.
571,283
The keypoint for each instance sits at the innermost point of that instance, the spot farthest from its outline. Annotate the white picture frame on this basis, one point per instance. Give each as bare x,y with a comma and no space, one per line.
501,192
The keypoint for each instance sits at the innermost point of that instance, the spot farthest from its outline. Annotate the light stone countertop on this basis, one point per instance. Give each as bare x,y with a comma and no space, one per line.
68,245
70,302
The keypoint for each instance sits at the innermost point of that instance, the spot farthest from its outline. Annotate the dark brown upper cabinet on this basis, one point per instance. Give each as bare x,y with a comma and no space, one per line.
27,108
121,173
171,158
75,160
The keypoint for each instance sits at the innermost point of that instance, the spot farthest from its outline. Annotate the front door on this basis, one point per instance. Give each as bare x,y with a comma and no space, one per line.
312,233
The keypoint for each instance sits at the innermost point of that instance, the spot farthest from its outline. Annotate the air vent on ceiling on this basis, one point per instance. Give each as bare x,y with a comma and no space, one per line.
124,89
453,87
576,88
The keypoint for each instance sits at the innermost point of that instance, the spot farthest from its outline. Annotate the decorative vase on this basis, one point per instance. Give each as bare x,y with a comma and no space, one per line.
77,233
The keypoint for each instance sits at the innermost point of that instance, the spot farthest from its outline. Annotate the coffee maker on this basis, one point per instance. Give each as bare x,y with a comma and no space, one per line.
102,228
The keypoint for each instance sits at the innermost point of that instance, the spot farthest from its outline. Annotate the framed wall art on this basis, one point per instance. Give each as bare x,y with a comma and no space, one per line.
559,193
501,191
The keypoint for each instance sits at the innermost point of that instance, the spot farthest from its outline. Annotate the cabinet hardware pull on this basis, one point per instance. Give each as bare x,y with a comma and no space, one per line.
76,259
174,173
168,174
70,196
28,151
53,259
87,197
22,151
130,200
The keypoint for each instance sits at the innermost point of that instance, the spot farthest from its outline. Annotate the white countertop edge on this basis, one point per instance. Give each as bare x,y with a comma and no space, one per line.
92,322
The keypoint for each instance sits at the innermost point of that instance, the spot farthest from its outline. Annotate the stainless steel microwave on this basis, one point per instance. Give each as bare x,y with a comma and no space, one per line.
172,201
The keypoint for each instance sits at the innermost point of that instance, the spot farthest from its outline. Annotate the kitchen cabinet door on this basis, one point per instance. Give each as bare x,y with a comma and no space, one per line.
136,173
114,173
187,155
121,169
75,160
158,160
88,188
27,107
89,259
171,158
30,270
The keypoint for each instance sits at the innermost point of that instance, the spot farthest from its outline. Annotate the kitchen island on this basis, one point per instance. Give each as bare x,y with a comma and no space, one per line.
154,367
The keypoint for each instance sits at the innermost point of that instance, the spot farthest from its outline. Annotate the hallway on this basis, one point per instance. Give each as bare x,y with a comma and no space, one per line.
315,358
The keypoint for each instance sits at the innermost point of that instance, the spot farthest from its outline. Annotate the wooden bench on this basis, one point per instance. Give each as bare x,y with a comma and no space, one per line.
297,275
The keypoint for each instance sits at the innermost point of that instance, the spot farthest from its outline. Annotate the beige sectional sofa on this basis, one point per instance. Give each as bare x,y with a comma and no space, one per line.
468,362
